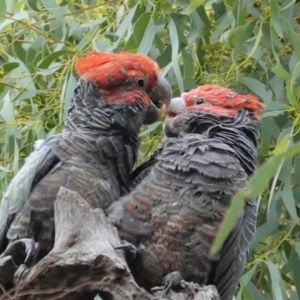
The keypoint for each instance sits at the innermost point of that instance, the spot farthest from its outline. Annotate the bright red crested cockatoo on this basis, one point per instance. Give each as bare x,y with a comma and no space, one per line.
95,152
182,193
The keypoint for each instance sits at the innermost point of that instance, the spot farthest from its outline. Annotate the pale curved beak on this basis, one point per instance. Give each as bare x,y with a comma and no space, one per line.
177,106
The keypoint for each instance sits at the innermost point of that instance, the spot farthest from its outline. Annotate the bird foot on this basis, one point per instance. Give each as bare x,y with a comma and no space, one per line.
20,272
7,271
130,250
22,251
171,281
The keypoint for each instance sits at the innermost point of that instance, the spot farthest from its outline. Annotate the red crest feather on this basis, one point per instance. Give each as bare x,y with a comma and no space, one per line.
222,101
112,69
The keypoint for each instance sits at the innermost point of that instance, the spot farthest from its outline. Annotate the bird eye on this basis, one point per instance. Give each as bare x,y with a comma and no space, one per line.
200,101
141,82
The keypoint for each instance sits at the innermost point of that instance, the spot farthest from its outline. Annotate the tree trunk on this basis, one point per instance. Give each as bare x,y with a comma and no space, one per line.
83,261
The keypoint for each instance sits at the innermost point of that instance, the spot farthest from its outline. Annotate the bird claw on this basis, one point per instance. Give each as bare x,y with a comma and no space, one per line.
7,271
126,247
130,250
170,281
22,251
30,250
17,256
20,272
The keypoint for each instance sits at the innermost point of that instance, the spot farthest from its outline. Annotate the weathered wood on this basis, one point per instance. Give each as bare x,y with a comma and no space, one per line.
190,291
83,262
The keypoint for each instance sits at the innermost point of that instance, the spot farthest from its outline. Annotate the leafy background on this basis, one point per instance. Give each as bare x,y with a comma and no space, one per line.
251,46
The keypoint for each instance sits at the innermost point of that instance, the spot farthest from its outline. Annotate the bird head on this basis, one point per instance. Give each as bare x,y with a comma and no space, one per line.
211,100
118,90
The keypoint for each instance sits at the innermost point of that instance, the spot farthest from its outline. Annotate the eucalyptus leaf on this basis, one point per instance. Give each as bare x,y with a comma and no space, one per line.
251,46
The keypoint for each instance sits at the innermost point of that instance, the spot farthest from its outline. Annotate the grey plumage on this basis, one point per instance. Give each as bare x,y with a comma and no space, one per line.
93,155
173,215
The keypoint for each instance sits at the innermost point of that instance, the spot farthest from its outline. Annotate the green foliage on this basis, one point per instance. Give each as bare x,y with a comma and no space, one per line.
251,46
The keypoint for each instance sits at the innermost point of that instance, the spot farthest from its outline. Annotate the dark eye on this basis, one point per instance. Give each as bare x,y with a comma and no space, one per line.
200,101
141,82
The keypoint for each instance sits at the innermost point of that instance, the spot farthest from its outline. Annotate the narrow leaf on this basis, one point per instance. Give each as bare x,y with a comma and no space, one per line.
147,41
294,264
50,58
257,185
138,32
175,48
274,11
230,220
7,111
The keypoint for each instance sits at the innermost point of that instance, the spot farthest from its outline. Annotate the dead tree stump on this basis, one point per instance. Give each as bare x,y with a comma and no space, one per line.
83,261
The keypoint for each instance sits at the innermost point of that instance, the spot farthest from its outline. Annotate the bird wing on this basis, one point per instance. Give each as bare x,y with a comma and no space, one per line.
177,210
143,170
234,252
36,166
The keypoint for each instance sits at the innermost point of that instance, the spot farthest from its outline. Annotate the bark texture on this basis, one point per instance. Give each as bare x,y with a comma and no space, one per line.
83,262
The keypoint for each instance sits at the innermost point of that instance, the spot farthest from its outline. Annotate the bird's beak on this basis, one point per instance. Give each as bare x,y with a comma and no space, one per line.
172,123
162,93
160,97
176,107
